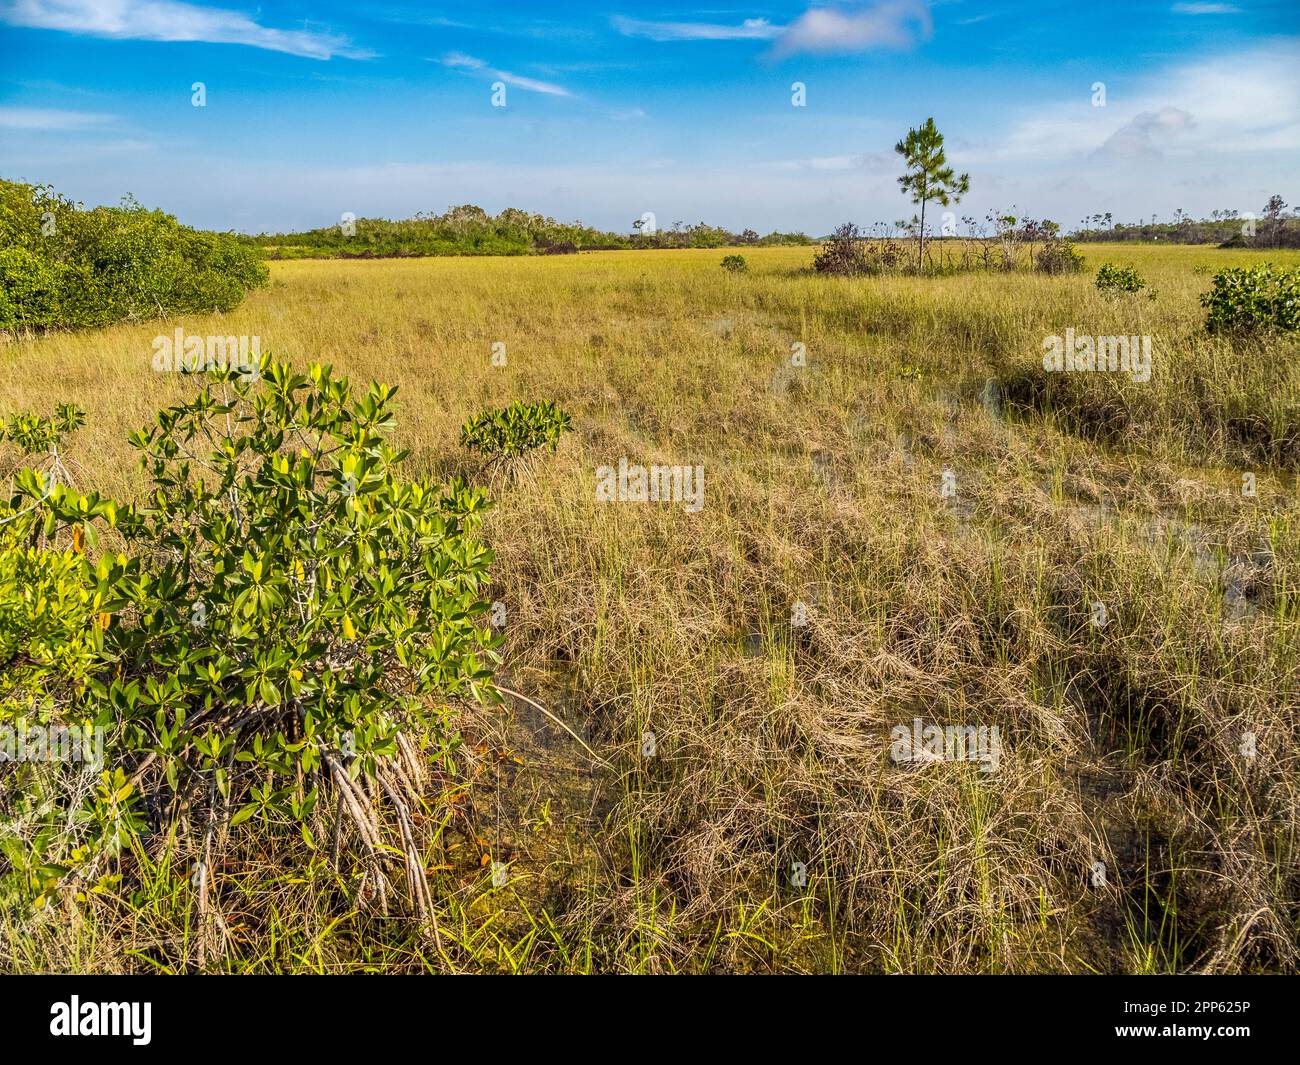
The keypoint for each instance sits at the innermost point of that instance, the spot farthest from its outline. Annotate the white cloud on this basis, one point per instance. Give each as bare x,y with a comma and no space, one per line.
1228,105
1206,9
45,118
884,24
752,29
1147,134
460,59
889,24
170,20
531,84
870,163
469,62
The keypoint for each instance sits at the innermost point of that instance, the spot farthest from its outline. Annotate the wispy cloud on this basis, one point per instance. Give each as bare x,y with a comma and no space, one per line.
822,162
531,84
47,118
1207,9
170,20
826,30
823,30
752,29
460,60
412,18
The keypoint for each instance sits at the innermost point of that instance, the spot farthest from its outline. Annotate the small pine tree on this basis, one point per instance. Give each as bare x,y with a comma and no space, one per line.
928,176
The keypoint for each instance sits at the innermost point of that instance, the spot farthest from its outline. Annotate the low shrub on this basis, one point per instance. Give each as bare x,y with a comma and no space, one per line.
1113,279
1059,257
843,255
735,264
281,625
1251,299
62,265
511,432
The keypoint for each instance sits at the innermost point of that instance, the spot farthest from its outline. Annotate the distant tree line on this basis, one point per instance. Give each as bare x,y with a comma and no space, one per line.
470,230
702,235
1272,227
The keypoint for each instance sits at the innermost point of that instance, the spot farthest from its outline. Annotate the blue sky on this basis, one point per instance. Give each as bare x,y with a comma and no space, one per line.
614,109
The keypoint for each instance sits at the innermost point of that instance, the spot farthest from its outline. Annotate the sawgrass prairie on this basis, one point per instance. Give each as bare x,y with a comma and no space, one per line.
904,522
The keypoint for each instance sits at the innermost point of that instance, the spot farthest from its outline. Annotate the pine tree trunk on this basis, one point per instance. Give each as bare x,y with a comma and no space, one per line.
920,254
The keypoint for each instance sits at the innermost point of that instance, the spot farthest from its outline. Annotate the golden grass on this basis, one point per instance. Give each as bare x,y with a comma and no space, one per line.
1122,745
